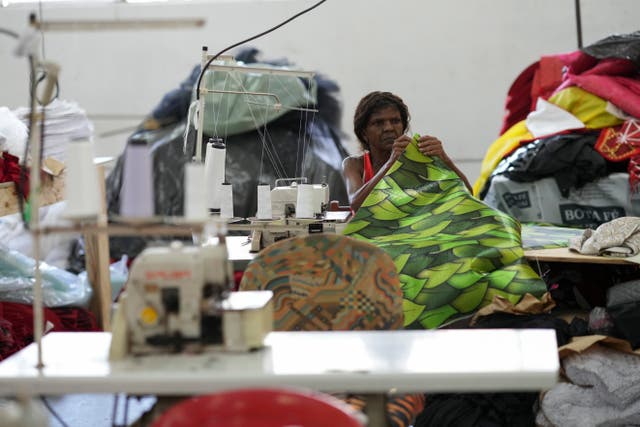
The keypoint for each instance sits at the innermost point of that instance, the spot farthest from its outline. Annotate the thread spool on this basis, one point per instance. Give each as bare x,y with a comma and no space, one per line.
81,182
319,197
214,166
136,194
226,200
265,210
195,202
304,201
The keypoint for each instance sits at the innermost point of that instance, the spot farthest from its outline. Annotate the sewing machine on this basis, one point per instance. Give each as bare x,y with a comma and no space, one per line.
290,219
179,299
284,198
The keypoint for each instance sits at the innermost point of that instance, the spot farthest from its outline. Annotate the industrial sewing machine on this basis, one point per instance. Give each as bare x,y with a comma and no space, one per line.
179,299
291,219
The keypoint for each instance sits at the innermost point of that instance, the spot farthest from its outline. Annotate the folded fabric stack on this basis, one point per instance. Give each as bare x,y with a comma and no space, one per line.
604,390
64,121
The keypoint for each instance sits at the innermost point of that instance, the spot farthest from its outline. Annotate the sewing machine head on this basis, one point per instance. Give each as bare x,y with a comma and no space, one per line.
178,299
285,198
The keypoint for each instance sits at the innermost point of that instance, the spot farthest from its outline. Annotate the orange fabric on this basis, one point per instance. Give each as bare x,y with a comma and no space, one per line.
368,167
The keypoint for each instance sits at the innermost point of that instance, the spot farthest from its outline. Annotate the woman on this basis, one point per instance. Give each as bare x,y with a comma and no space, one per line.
380,123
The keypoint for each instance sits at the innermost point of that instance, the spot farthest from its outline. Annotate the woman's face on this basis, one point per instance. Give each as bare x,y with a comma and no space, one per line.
383,128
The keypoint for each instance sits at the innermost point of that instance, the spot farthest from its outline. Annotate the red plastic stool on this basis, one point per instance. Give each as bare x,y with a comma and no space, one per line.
260,407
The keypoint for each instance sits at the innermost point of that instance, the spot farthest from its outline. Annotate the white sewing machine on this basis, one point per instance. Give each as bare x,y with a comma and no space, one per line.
290,219
179,298
284,198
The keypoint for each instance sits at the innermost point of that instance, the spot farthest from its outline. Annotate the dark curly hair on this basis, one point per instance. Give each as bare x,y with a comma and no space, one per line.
373,102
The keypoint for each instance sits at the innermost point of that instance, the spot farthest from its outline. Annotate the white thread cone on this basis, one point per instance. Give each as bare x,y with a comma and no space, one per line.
264,202
304,201
195,200
81,182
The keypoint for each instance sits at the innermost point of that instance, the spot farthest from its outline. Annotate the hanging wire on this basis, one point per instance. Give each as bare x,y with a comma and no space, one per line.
214,57
265,138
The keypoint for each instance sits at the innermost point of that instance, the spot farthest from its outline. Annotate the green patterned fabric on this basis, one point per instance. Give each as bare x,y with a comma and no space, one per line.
453,253
547,236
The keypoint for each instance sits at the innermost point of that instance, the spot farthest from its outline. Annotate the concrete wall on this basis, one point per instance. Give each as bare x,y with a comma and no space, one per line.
451,60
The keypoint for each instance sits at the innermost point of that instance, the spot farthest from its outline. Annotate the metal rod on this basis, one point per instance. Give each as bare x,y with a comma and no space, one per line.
199,119
578,23
168,229
240,92
36,135
124,229
121,24
261,70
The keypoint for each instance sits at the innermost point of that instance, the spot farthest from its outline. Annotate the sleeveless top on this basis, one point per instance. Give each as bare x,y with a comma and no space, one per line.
368,167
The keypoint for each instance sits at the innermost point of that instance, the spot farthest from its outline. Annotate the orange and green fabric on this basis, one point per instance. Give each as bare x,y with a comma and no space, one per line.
327,282
453,253
332,282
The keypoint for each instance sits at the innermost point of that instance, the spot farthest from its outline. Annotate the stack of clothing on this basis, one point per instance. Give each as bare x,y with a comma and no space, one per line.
65,121
569,150
603,389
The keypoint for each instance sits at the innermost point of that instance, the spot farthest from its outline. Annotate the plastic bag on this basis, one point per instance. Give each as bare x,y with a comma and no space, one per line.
118,274
59,287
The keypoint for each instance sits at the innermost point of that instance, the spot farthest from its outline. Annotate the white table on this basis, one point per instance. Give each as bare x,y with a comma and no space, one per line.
372,362
238,248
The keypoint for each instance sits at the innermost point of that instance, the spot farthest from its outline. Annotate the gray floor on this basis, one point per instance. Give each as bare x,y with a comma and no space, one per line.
76,410
96,410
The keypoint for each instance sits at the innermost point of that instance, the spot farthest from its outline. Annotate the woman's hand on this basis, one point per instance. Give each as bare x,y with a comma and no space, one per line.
399,145
432,146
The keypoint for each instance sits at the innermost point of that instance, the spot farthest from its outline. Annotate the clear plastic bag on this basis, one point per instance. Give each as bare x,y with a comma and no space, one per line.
118,274
59,287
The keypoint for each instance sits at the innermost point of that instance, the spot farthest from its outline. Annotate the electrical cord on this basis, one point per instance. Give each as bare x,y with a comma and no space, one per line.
53,412
214,57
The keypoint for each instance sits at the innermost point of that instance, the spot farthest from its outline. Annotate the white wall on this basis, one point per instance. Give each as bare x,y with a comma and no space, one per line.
451,60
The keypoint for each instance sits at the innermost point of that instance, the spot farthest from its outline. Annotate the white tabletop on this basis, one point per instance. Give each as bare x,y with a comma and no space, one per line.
239,248
367,362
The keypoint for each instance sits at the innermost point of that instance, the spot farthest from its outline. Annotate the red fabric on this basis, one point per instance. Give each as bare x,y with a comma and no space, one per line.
259,407
16,324
10,172
518,103
613,79
634,173
539,80
620,142
368,167
547,78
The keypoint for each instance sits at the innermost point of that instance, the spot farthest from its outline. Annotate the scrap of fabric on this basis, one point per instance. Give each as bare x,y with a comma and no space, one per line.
453,253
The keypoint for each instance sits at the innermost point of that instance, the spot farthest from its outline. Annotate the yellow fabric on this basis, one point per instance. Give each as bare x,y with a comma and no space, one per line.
587,107
508,141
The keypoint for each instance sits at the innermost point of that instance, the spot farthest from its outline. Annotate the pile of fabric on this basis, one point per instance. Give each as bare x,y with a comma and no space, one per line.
16,324
569,150
65,295
602,388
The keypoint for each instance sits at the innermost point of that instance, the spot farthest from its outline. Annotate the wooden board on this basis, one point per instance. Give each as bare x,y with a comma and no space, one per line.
52,192
565,255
